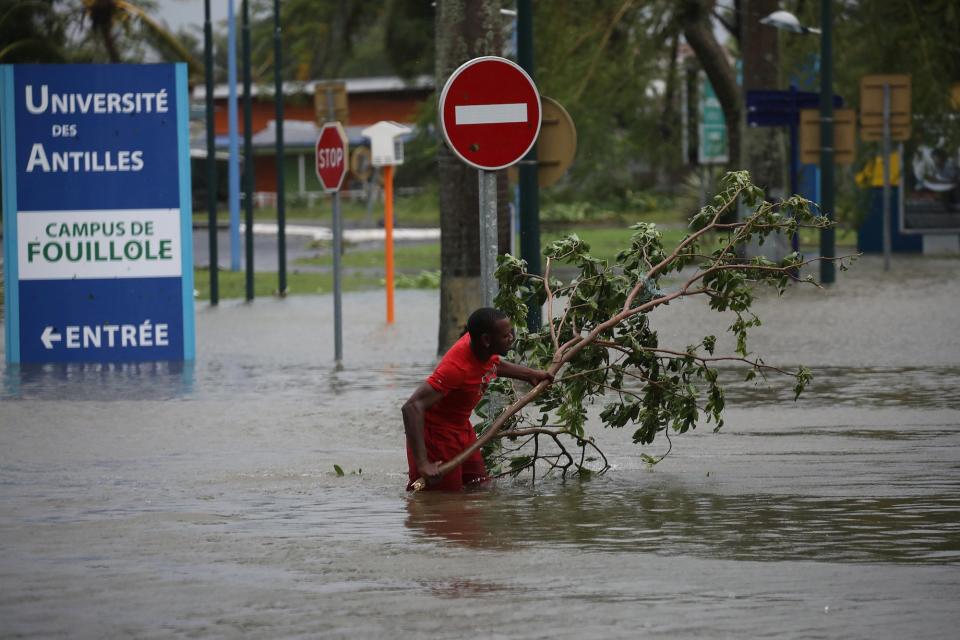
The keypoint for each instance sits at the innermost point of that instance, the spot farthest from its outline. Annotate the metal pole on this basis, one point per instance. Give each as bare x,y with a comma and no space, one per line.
233,168
528,186
388,236
281,158
886,177
247,149
211,155
794,174
337,306
488,236
827,238
337,251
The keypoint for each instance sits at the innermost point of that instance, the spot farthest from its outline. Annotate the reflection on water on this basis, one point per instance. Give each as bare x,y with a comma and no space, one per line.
98,381
921,387
604,515
210,380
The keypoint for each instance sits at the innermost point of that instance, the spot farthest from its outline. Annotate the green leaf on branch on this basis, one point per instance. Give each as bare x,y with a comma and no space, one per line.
601,318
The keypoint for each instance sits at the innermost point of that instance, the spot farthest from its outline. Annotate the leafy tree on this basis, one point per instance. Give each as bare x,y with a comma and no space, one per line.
119,30
879,37
30,31
605,63
602,344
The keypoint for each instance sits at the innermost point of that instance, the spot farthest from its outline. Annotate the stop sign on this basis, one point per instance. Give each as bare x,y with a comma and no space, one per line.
331,156
490,112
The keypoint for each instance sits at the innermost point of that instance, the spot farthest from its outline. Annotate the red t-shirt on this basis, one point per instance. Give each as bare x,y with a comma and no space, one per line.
462,379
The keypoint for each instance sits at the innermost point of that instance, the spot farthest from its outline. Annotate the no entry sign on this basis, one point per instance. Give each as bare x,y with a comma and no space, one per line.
331,156
490,113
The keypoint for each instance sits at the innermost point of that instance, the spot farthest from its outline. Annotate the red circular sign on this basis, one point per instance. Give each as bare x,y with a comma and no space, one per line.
490,112
331,156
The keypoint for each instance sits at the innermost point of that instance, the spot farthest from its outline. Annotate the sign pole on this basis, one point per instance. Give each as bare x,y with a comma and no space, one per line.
337,291
488,236
337,250
388,235
886,177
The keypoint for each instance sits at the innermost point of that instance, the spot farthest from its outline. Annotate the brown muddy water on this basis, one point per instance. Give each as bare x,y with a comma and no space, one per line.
158,501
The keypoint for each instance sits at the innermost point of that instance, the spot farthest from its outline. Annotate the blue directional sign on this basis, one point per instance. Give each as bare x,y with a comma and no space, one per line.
781,108
97,213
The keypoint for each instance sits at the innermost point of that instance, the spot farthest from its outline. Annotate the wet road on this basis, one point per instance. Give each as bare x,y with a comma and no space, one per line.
165,501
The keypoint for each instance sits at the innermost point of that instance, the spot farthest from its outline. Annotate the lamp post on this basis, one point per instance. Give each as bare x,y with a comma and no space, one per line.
786,21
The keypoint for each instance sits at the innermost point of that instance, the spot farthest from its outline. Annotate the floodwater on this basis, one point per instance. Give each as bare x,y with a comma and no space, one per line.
165,501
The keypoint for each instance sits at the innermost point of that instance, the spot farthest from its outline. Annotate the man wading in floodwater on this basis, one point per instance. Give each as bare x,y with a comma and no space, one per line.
436,418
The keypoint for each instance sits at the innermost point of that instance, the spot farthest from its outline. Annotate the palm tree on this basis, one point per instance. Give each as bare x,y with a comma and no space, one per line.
106,16
30,31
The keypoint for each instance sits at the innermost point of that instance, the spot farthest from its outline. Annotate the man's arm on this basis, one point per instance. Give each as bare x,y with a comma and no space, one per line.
413,410
519,372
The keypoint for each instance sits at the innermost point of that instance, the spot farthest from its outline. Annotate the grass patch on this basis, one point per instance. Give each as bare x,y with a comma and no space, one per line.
232,284
606,242
421,262
408,257
417,210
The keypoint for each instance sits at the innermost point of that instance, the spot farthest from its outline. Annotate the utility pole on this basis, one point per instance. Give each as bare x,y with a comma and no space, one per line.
211,155
247,149
529,189
281,191
827,240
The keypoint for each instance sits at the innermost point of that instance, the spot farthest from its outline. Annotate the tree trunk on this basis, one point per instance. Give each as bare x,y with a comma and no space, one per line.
763,145
465,29
760,72
694,16
101,16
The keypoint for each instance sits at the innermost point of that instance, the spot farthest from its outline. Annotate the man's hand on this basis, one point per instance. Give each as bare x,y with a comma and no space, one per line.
537,376
519,372
429,471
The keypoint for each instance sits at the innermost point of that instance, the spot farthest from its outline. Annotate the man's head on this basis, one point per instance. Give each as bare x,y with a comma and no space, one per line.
490,332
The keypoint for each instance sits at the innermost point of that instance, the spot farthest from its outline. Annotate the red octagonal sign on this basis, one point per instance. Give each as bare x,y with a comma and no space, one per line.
331,156
490,112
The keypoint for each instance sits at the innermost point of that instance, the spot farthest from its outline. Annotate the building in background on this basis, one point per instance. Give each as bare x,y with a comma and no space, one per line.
369,101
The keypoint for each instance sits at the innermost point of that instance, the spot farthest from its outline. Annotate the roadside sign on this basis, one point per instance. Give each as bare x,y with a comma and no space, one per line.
871,106
713,127
781,108
557,143
386,142
331,156
98,265
844,136
490,113
330,101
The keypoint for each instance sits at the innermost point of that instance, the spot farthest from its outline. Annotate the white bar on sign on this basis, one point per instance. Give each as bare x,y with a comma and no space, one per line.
491,113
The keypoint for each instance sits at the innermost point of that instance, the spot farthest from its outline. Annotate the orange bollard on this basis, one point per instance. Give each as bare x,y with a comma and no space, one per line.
388,235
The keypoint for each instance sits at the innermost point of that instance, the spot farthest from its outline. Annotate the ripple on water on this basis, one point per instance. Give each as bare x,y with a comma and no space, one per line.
670,520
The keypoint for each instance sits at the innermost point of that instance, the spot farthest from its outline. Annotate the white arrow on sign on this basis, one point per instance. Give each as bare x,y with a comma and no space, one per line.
49,337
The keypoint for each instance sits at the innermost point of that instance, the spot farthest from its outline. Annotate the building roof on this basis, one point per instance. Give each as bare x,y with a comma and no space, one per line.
297,135
379,84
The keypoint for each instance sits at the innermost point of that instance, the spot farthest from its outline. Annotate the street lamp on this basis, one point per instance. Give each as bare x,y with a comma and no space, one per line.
786,21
